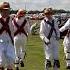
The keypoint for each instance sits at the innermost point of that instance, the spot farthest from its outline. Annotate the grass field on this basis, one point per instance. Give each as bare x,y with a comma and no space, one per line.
35,55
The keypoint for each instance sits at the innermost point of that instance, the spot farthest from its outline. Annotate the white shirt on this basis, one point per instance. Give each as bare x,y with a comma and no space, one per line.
66,26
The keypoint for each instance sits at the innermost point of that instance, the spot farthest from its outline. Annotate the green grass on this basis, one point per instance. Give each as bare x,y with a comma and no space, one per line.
35,54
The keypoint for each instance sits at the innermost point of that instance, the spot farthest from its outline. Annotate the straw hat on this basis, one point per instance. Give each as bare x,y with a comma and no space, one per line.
21,12
4,6
48,11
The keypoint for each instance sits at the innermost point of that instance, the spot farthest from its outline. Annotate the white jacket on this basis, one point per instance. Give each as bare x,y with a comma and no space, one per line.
45,29
26,27
63,28
4,37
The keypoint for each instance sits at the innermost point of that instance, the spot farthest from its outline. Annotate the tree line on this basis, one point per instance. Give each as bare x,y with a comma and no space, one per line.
37,11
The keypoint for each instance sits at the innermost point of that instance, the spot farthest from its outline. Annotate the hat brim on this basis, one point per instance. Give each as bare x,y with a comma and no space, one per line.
4,8
48,13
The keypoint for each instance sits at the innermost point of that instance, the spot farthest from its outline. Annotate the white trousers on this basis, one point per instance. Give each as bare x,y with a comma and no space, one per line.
20,42
7,54
66,44
51,50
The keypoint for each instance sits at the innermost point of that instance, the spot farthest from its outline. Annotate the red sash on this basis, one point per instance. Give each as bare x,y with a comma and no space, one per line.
68,33
5,27
20,29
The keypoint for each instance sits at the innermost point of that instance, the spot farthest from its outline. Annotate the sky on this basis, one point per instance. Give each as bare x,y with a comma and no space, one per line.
39,4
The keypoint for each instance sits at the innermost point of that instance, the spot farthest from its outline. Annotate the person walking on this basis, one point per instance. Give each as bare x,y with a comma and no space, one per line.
21,32
49,33
66,42
7,51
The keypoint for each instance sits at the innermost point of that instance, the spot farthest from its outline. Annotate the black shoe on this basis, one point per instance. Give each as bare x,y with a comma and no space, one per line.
48,64
17,68
9,69
68,67
56,63
1,68
22,64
